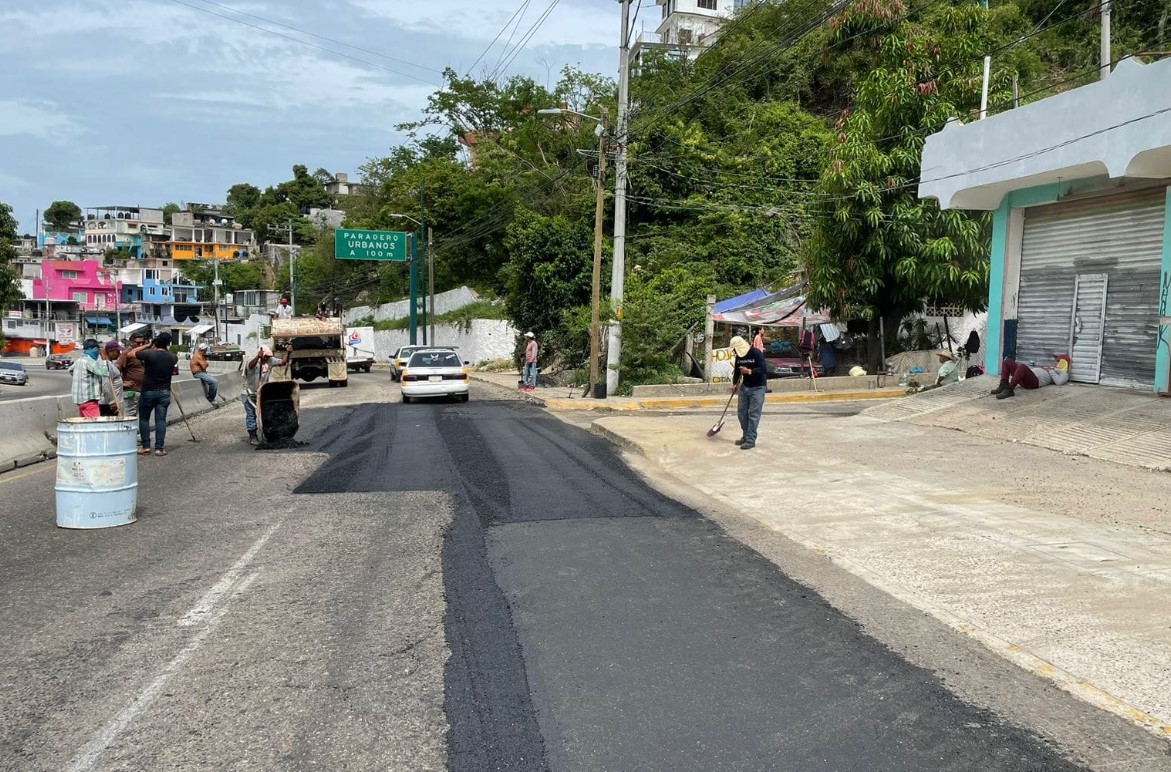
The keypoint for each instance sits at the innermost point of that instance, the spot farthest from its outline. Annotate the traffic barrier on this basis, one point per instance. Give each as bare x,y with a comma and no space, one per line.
30,425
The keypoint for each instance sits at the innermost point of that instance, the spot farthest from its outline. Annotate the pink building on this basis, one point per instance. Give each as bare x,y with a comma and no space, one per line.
81,282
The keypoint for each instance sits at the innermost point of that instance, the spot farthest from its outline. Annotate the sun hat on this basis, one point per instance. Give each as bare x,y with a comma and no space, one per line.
740,346
530,335
202,347
945,355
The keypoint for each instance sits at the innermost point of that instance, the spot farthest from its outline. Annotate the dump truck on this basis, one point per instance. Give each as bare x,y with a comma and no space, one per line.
318,349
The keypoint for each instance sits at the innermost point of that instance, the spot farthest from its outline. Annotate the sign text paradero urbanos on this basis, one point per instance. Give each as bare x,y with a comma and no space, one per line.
351,244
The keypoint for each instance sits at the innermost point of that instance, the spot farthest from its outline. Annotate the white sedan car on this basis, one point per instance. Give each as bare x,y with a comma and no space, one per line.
434,372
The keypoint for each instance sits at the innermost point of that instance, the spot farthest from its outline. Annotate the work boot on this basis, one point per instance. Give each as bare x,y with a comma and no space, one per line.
253,439
1001,387
1006,393
740,441
747,445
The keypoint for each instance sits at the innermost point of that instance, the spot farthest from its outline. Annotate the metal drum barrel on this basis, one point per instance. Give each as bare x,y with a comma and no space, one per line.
97,472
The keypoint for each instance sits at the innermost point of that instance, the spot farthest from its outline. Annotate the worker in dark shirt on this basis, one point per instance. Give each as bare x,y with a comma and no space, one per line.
158,366
751,373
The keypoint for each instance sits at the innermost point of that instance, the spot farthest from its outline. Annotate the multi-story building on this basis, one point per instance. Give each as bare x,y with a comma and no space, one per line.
341,186
687,26
64,302
120,227
206,232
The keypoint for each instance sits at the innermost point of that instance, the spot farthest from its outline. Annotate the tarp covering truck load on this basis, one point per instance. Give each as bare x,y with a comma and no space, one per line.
318,349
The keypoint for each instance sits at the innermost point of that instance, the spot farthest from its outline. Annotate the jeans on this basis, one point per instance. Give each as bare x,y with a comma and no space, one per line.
748,410
130,404
249,412
155,402
530,375
211,386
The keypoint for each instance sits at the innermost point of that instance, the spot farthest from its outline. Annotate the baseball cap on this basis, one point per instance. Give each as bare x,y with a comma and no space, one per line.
113,345
529,335
90,343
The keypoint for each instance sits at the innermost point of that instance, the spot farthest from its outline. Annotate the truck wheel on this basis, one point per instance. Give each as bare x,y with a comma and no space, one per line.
343,384
333,384
366,368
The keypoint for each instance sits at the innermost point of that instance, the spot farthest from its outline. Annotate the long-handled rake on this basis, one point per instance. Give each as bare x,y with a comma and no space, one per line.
182,414
712,432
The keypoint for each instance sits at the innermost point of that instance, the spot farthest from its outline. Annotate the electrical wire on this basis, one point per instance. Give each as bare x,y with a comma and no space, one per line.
525,40
488,48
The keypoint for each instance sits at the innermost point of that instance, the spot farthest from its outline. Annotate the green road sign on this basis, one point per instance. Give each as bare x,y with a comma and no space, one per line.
350,244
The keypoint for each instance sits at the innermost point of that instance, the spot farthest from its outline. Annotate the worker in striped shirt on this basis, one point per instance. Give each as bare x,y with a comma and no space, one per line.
89,374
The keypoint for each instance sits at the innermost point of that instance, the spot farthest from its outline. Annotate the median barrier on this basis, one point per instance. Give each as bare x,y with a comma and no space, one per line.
30,425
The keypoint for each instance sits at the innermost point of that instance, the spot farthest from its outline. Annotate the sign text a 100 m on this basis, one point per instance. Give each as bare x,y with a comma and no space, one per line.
352,244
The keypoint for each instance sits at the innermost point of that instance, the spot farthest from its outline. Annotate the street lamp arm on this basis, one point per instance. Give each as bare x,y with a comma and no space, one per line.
567,111
404,216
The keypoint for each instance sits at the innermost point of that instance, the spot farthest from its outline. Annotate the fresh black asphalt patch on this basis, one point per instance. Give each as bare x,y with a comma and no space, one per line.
596,624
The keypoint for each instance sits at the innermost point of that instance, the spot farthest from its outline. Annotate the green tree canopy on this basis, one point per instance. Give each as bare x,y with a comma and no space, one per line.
63,216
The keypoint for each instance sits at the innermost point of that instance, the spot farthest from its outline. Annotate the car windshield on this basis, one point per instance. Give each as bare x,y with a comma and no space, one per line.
435,359
781,349
406,351
10,366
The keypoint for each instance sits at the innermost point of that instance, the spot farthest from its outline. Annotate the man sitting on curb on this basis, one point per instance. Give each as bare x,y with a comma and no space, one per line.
1018,374
199,370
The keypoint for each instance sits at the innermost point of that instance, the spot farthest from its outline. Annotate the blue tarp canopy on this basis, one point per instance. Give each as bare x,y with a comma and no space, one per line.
98,320
747,299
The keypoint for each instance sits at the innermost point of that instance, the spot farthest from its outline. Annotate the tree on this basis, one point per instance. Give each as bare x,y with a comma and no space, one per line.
10,293
169,209
878,252
241,200
62,216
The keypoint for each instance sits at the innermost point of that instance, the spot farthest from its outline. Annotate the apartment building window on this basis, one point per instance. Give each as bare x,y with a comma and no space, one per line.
69,274
79,297
709,5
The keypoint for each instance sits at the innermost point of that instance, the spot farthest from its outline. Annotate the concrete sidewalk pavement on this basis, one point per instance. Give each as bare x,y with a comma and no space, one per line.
1061,564
563,398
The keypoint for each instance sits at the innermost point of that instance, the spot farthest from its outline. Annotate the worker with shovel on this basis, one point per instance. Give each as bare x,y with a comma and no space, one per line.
750,377
256,373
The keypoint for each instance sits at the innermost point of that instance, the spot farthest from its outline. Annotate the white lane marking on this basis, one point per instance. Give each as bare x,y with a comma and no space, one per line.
207,603
89,755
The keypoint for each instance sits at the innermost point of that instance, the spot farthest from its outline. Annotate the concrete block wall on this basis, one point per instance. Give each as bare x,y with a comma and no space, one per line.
444,303
483,339
30,425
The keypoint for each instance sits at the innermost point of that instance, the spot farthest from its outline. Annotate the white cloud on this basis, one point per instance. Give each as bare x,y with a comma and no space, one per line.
43,120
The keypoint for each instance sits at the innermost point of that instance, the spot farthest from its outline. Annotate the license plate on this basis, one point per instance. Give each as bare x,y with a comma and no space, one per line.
435,378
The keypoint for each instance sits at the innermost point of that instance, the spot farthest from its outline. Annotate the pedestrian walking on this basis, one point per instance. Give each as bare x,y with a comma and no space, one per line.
750,372
758,341
158,366
211,386
256,373
529,374
113,389
89,373
132,371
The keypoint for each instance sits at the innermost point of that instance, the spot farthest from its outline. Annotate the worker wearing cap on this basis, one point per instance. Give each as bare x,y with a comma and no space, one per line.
133,371
256,373
284,310
750,375
211,386
529,374
113,390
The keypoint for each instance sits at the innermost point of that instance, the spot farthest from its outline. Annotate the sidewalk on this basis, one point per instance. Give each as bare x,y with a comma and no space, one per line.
562,398
1059,563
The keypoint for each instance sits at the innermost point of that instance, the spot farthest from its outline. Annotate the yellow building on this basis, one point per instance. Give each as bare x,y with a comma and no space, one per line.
204,232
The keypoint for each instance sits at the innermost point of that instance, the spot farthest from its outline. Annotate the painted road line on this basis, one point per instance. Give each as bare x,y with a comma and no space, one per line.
10,477
207,604
88,757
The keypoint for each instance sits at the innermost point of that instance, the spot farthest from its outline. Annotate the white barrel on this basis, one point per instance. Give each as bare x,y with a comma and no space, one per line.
97,472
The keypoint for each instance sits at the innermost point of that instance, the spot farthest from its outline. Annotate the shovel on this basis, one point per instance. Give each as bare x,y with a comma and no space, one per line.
712,432
175,396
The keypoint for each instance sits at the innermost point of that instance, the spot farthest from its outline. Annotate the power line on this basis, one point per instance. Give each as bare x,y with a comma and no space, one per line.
525,40
307,43
320,37
523,10
487,48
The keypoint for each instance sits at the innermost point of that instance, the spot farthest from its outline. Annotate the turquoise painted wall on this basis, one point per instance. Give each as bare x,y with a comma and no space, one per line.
1163,355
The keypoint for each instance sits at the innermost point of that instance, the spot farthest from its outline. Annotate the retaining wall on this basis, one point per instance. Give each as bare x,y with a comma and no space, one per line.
482,339
30,425
444,302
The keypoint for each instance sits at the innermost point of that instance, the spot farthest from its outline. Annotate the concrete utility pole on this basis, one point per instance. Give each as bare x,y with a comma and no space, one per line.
1104,10
596,283
431,281
618,274
287,227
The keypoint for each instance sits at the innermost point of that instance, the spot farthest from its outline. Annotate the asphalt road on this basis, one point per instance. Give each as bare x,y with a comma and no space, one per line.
440,586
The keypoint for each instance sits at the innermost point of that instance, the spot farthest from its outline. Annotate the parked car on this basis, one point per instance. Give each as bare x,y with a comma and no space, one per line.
58,362
784,360
435,372
13,372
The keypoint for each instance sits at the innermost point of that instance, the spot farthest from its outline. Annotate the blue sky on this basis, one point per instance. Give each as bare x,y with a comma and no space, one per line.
140,102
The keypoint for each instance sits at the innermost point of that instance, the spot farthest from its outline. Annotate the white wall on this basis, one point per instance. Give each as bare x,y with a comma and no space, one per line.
444,302
485,339
247,335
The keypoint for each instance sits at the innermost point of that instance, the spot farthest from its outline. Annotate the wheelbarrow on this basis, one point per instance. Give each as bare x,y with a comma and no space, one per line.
278,411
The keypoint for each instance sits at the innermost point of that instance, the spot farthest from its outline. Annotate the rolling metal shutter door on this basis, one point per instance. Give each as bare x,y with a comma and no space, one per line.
1119,235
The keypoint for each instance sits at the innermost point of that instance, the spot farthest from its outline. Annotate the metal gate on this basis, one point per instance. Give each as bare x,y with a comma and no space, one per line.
1120,236
1087,327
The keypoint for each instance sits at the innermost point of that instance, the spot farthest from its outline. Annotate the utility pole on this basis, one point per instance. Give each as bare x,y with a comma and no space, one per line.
422,236
618,274
431,280
596,284
216,293
287,227
1104,10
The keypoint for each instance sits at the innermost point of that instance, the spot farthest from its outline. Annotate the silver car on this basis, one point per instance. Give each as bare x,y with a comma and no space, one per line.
13,372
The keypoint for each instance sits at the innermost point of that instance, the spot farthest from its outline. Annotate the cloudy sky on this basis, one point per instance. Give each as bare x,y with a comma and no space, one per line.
139,102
